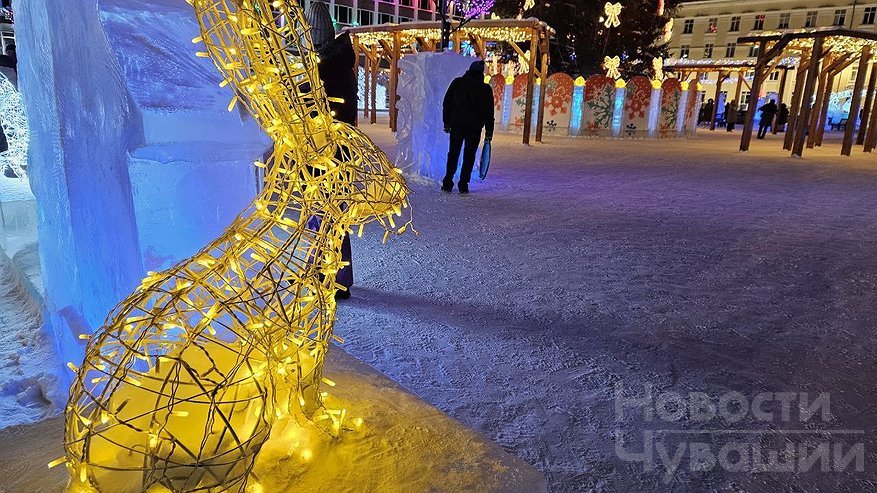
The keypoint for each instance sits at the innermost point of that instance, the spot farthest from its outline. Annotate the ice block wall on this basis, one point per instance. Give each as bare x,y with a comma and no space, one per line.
136,162
83,124
422,144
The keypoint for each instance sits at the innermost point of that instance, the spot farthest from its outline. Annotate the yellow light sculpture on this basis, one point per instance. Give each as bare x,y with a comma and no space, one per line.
179,389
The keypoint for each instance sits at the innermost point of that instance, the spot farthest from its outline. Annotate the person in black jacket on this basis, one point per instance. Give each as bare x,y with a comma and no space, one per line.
468,109
768,111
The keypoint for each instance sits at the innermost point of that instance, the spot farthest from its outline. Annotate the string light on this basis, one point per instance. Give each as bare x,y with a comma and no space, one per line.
180,388
611,65
612,11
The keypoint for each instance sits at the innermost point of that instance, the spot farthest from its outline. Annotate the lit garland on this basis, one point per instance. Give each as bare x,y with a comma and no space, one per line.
658,67
514,34
180,388
14,125
473,8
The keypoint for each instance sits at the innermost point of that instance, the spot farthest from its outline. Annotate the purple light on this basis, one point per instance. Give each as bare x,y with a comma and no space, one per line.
474,8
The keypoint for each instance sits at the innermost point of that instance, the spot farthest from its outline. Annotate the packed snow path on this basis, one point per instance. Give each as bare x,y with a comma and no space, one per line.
582,264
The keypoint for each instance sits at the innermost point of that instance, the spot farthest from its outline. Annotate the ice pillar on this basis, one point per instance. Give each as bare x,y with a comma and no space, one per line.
655,108
507,96
575,113
82,126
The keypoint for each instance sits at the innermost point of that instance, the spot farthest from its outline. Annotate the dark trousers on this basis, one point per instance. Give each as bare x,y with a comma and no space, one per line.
763,126
344,276
471,138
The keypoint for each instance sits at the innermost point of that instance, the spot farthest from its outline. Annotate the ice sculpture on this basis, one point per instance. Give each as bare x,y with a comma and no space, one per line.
14,127
181,386
423,80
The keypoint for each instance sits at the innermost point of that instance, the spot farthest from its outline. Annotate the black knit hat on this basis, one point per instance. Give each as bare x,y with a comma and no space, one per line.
477,66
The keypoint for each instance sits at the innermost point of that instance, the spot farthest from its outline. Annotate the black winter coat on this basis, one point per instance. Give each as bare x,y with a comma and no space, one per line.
468,104
338,72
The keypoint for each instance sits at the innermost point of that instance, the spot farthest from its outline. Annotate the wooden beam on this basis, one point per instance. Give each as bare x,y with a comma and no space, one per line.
782,91
760,74
543,76
864,60
795,106
866,108
374,80
871,136
835,68
738,92
528,106
394,79
719,82
804,113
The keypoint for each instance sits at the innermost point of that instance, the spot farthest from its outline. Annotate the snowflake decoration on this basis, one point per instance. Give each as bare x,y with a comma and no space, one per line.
473,8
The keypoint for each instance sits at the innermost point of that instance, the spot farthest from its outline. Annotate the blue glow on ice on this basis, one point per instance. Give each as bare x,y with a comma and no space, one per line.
618,111
575,118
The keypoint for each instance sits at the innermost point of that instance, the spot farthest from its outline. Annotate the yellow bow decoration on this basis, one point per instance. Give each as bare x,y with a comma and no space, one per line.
611,65
658,67
612,11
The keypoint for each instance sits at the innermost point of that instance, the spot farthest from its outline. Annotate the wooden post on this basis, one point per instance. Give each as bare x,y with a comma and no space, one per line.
795,106
816,116
366,87
738,92
804,113
374,80
394,79
866,108
782,93
543,76
865,59
871,136
823,111
719,82
528,106
760,73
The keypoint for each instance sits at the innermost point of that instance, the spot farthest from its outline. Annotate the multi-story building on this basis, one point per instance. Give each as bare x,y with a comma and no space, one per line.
708,29
368,12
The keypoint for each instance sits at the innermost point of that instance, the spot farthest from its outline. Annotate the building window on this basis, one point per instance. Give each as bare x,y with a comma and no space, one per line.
744,100
684,51
753,51
713,25
811,19
730,50
775,75
404,19
424,5
366,17
735,24
784,20
385,18
708,50
870,13
840,17
759,23
688,26
343,14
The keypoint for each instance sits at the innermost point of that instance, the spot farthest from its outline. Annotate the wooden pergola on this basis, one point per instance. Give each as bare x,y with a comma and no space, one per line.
390,42
724,68
823,53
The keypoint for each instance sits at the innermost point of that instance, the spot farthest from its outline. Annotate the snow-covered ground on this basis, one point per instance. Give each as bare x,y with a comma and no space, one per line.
582,265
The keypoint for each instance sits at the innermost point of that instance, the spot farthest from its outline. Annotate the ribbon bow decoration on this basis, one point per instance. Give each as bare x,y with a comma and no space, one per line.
611,65
658,67
612,11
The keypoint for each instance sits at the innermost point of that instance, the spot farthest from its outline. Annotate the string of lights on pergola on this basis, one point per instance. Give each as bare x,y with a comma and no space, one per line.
822,54
387,43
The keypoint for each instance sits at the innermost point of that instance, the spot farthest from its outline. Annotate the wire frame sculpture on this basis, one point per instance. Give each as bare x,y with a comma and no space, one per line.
179,389
14,123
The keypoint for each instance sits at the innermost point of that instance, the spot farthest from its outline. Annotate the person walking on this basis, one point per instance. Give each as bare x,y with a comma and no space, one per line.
730,115
706,112
467,110
768,111
782,118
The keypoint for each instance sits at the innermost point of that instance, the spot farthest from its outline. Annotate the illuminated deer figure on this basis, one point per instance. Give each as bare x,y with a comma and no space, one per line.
180,388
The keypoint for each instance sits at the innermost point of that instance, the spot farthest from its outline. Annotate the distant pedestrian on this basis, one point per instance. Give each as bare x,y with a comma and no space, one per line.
730,115
768,111
782,118
468,109
706,112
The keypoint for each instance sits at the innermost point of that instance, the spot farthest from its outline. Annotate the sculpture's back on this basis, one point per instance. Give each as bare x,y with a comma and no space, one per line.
180,388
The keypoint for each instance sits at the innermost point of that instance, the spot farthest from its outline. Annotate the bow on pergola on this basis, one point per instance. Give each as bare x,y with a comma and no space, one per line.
611,65
612,11
658,67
